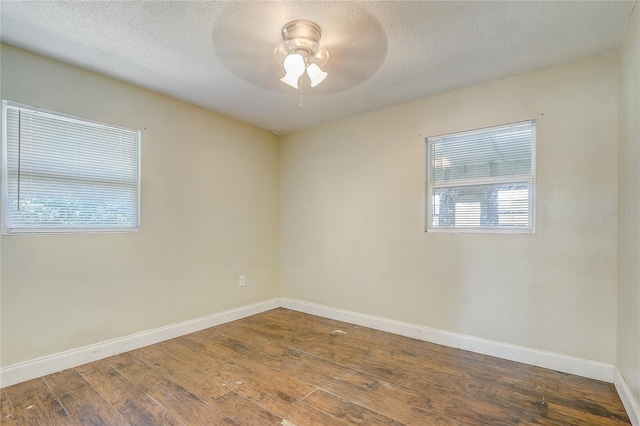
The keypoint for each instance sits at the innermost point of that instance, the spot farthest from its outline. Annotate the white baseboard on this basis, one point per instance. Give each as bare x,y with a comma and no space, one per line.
567,364
630,403
50,364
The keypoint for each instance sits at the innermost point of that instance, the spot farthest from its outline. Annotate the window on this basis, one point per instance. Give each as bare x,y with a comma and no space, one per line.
482,180
64,174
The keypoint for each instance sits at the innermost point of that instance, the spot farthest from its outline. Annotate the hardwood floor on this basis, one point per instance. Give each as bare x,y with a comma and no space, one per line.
287,368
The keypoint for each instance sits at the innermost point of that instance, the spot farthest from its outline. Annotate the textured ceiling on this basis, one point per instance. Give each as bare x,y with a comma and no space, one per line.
219,55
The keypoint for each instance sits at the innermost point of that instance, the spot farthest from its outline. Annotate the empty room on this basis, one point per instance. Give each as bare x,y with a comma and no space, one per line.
320,213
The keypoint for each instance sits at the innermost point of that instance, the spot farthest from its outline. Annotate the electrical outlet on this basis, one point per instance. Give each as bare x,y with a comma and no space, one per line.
242,281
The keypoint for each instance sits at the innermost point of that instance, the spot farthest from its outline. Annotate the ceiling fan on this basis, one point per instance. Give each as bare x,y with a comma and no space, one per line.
247,36
300,51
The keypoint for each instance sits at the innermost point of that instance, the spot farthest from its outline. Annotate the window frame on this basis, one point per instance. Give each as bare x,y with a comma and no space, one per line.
5,214
529,179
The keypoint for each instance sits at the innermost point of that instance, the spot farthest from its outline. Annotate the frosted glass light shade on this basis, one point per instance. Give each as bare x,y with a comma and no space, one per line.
294,67
291,80
316,75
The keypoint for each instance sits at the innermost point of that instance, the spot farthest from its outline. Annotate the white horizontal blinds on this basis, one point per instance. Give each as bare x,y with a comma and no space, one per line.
483,179
495,152
478,206
64,173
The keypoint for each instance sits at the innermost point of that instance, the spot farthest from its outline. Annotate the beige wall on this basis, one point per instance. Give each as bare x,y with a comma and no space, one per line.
352,216
209,214
629,204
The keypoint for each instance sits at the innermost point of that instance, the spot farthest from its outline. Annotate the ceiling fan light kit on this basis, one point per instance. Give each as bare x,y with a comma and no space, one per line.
300,52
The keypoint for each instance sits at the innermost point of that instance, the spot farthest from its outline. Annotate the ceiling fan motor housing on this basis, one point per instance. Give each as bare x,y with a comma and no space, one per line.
302,36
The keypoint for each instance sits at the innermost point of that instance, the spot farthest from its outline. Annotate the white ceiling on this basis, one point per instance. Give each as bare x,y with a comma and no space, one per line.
219,55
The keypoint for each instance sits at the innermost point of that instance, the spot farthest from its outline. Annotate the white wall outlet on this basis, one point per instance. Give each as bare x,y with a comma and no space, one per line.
242,281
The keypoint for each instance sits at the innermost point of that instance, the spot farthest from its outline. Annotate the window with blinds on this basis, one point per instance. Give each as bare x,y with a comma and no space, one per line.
482,180
65,174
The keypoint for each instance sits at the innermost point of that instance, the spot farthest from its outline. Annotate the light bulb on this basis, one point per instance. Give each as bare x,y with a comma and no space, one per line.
316,75
294,67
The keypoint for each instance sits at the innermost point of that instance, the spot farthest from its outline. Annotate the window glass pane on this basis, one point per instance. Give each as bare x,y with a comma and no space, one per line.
503,151
483,179
477,206
68,174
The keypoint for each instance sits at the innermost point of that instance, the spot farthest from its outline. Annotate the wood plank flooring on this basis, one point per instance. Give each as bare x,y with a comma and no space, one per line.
287,368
